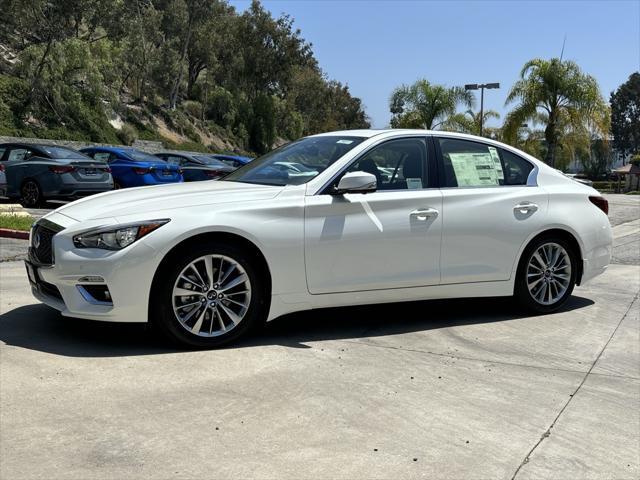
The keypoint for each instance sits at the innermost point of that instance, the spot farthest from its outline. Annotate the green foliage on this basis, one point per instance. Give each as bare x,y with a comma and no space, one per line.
16,222
189,62
564,98
625,115
426,105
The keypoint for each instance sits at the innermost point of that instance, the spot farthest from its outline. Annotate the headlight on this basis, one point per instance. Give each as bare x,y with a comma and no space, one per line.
116,237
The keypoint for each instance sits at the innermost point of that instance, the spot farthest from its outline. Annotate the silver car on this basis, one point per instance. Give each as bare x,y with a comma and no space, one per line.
36,173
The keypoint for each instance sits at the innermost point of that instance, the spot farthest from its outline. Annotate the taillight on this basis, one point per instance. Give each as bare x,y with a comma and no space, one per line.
601,203
211,174
141,171
60,169
107,169
1,167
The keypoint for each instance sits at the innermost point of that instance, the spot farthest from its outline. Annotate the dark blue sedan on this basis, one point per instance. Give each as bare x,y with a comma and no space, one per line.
236,161
197,166
134,168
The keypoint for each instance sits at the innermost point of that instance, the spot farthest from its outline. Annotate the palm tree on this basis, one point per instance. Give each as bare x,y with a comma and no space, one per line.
425,105
469,121
560,90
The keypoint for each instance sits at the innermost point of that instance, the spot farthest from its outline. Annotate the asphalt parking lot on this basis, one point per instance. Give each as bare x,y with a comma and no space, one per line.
438,389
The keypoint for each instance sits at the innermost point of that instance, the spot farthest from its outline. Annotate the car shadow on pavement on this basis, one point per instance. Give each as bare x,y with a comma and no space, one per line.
38,327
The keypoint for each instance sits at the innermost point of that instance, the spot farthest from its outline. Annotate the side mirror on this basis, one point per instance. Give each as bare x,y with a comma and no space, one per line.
357,182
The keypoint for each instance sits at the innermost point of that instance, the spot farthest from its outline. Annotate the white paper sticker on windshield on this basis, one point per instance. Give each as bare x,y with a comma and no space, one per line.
474,169
414,183
345,142
498,163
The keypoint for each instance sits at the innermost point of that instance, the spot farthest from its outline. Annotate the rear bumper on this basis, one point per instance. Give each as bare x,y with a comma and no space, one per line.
77,191
597,253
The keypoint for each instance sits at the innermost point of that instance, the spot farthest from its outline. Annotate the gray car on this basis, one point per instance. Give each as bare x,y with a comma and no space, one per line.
36,173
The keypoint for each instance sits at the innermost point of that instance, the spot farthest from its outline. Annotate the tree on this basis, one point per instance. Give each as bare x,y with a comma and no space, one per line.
559,89
425,105
469,122
625,116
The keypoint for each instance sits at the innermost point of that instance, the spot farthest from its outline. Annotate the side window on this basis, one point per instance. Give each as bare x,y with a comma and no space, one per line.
18,154
470,164
2,150
397,164
516,169
173,160
102,156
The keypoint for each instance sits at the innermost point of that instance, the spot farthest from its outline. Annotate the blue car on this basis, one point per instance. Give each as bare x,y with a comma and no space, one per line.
134,168
236,161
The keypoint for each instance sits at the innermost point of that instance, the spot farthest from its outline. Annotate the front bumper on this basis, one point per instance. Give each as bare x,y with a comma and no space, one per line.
128,280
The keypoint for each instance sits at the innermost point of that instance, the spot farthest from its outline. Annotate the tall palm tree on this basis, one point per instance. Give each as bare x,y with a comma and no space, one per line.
469,121
561,91
426,105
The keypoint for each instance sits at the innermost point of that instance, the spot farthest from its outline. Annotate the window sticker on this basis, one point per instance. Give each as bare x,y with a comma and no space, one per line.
474,169
345,142
498,163
414,183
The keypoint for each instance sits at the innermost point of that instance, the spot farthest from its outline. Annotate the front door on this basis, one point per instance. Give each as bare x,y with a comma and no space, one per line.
381,240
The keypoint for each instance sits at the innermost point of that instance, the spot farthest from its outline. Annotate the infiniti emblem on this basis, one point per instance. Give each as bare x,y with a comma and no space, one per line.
36,240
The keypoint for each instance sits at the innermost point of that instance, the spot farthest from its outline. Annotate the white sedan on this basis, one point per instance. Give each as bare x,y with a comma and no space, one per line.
452,216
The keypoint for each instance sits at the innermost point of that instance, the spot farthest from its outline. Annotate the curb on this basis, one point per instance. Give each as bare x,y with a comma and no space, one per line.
9,233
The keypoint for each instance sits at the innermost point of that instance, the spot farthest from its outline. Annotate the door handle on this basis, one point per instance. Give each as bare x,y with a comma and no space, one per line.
525,207
424,214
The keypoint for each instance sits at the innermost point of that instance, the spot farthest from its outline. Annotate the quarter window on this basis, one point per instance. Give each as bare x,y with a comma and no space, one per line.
397,164
516,169
473,164
18,154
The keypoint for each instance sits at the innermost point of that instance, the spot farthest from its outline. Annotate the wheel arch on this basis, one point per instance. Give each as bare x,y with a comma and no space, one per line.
562,232
219,236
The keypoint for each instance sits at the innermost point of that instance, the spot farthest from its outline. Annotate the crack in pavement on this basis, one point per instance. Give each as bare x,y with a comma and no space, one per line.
547,432
488,361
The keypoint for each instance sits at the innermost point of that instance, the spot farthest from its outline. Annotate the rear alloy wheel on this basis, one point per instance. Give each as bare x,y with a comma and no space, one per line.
30,194
547,275
209,297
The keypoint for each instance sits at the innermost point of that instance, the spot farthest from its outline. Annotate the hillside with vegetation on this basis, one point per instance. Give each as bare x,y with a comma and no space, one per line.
195,74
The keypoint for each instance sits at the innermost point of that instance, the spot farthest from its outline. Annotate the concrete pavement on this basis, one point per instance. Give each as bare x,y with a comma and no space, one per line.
469,389
439,389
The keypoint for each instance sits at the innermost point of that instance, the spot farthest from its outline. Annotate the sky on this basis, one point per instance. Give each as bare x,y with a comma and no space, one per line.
376,45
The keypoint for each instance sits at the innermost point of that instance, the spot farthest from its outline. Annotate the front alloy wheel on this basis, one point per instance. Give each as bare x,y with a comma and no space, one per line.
210,295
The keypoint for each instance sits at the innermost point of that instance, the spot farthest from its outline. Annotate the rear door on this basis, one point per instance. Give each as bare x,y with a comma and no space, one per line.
491,205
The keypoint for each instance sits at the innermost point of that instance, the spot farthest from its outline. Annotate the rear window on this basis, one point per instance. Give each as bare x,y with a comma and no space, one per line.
214,162
141,156
62,152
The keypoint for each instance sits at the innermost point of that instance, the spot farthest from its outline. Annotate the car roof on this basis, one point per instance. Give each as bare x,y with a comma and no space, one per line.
33,145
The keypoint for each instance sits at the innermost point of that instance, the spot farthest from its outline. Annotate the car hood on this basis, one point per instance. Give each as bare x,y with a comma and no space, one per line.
165,197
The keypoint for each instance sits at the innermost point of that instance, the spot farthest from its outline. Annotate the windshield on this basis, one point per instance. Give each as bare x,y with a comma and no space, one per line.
141,156
61,152
295,163
210,161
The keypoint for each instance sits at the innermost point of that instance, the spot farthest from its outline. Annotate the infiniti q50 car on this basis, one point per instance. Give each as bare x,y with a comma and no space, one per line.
386,216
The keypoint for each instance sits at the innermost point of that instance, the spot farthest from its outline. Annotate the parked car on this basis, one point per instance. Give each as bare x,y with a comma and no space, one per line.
3,181
462,216
134,168
36,173
236,161
580,178
197,166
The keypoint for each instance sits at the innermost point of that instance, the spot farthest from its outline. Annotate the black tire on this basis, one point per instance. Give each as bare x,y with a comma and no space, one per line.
31,194
521,290
161,311
116,186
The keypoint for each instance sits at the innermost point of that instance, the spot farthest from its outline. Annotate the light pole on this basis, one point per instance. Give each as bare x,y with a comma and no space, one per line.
481,87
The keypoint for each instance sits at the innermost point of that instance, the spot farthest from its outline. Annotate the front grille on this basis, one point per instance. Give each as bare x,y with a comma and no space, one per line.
41,248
